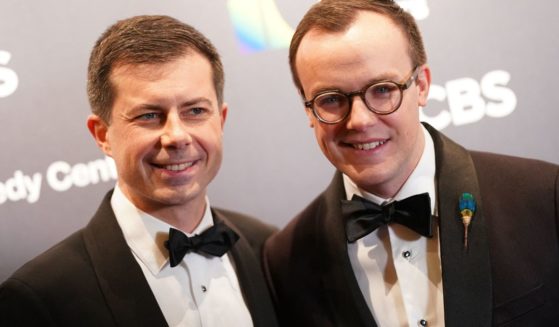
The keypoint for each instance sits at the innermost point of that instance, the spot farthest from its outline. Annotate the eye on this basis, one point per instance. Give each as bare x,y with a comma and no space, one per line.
382,90
197,113
330,100
149,116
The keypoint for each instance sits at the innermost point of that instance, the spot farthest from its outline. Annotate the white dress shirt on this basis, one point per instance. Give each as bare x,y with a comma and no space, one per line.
398,270
201,291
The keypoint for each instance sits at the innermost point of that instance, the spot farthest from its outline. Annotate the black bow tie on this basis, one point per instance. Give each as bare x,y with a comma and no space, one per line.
363,216
215,241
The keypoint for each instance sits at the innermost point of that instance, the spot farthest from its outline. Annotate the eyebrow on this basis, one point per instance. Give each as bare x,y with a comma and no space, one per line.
384,77
156,106
199,100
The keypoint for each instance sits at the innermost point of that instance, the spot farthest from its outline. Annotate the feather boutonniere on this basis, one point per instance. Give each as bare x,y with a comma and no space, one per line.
467,208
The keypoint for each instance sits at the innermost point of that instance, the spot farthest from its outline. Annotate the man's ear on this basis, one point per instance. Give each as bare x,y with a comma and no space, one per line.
99,130
423,83
223,114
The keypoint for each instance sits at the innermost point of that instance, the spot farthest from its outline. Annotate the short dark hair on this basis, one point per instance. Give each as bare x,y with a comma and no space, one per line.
337,16
143,40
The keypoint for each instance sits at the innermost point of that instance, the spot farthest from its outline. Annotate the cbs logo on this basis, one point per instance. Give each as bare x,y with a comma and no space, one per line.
469,100
8,78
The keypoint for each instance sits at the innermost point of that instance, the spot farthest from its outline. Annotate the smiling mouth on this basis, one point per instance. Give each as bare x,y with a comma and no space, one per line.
368,146
177,167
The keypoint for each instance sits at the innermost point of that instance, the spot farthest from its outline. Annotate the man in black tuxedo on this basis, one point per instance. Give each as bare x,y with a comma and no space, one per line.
413,230
155,253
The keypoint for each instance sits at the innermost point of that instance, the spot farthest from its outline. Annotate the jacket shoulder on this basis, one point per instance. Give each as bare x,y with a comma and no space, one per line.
254,230
497,171
302,227
488,159
59,280
54,266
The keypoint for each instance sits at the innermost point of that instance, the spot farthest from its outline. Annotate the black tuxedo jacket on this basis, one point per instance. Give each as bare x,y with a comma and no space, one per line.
508,276
92,279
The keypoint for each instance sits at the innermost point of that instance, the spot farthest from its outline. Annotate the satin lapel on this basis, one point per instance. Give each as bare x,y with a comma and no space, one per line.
121,279
466,273
347,303
251,278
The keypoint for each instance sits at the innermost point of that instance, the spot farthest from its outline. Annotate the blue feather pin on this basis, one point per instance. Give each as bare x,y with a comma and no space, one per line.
467,207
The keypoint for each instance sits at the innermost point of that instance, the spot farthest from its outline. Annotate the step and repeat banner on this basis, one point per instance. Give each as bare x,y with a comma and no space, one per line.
494,66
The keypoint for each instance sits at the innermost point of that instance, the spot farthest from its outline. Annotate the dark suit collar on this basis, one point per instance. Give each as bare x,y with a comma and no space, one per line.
466,274
121,279
251,278
345,297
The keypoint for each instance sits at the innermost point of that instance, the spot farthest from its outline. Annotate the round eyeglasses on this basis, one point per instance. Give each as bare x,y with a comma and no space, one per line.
382,98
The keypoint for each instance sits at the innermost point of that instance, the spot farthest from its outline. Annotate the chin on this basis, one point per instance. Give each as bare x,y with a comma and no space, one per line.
367,179
175,197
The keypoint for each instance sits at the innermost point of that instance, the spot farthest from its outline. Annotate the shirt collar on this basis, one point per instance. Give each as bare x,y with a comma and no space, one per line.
145,234
421,180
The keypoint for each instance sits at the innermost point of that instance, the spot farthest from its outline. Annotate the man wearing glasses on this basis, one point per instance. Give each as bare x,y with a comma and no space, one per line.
413,229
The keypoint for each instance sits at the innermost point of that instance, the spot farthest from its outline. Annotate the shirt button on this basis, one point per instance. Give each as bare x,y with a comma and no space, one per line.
422,322
204,289
406,254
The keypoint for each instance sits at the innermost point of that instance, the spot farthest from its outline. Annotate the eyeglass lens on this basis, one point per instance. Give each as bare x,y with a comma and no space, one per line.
380,98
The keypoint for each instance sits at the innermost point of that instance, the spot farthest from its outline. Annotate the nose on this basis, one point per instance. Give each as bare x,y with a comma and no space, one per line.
175,132
360,117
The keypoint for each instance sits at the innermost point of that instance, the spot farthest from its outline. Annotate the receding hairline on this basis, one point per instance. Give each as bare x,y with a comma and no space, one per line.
320,31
